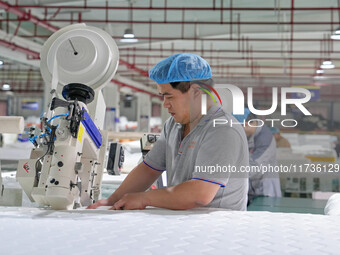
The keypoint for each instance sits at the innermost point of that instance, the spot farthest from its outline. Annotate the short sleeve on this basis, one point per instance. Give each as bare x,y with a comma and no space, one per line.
156,157
219,154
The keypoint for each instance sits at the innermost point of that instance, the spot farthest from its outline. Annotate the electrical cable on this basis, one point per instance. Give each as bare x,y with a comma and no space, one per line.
54,117
36,163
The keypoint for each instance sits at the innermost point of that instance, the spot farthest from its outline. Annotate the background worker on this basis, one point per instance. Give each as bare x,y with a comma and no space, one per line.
281,142
188,139
262,152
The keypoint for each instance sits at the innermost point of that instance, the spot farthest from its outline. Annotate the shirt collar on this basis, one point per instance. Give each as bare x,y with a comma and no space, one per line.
213,111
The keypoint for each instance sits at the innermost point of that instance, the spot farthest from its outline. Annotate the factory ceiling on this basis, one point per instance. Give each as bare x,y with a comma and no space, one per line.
248,43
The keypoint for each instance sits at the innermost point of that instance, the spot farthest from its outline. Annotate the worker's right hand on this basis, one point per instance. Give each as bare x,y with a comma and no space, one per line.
104,202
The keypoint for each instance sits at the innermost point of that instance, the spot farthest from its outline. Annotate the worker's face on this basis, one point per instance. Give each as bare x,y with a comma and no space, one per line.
180,105
250,130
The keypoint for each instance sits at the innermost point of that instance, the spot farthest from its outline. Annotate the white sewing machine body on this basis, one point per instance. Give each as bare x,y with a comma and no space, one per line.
72,143
71,172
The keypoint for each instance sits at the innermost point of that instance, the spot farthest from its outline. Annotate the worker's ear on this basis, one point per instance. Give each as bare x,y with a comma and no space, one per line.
195,89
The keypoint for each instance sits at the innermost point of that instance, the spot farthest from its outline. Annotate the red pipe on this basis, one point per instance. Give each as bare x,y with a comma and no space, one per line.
231,74
36,55
13,46
128,65
275,75
136,89
232,58
235,66
206,39
223,51
26,16
186,22
291,41
175,8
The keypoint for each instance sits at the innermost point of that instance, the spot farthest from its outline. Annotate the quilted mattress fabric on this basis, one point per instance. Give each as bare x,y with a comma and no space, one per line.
333,205
158,231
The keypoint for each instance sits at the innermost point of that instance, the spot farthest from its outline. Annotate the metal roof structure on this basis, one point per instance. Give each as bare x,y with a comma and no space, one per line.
247,43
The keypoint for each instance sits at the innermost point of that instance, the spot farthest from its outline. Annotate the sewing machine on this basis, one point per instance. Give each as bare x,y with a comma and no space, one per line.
146,143
66,166
10,196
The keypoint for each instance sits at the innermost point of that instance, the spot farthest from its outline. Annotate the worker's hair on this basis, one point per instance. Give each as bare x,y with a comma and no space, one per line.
184,86
251,116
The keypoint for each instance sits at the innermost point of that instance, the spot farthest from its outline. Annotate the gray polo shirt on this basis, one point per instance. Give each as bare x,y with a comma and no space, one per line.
204,149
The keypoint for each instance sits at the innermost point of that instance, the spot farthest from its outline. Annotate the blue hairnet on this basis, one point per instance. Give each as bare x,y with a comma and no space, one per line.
180,67
243,117
275,130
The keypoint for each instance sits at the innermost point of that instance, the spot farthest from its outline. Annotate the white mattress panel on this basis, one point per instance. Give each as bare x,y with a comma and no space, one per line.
157,231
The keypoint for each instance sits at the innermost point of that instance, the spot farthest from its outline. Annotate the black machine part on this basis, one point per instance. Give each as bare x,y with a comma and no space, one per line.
76,113
147,142
78,91
116,159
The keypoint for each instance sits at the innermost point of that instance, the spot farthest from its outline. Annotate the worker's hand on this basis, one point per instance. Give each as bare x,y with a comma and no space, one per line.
131,201
104,202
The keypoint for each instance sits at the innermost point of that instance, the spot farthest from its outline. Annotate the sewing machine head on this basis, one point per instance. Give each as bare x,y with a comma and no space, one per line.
65,169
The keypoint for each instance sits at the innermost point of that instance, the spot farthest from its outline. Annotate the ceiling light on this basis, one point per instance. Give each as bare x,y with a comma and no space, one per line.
129,36
327,64
319,77
128,33
6,87
1,62
128,97
320,71
129,40
336,34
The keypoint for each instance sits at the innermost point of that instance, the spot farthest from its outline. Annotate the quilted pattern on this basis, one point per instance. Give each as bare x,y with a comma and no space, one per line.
158,231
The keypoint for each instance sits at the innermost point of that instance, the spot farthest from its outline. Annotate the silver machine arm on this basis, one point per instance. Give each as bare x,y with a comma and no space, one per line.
66,166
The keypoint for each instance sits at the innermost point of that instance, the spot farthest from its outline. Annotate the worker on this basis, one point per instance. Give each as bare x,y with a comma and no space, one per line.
187,147
262,154
281,142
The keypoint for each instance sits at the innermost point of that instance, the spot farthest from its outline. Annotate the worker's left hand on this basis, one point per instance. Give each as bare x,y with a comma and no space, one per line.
131,201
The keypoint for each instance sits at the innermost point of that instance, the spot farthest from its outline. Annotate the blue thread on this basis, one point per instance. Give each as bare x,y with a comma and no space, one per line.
54,117
213,114
153,167
222,185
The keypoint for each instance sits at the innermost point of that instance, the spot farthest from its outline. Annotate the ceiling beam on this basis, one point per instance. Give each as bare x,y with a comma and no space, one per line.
27,16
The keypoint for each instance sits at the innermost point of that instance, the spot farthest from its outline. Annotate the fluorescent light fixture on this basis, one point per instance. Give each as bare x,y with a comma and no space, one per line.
320,71
128,97
6,87
1,62
336,34
327,64
129,40
128,33
318,77
129,36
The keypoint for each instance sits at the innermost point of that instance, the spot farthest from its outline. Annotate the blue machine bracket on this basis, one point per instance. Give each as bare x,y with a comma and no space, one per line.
91,129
